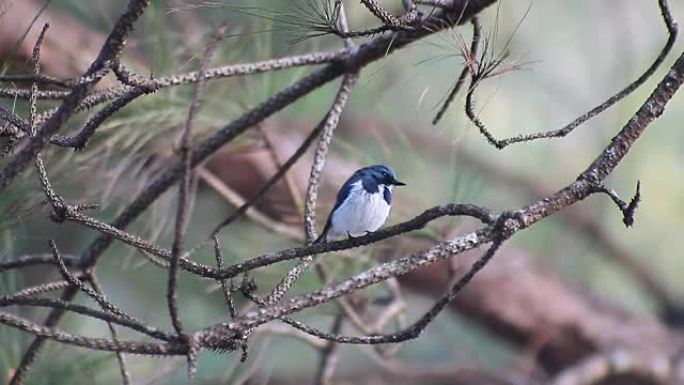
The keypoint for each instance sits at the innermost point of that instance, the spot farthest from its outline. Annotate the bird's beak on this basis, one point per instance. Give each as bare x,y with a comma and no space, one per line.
397,183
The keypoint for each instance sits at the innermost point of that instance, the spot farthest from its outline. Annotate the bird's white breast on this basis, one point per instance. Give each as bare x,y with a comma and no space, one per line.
360,212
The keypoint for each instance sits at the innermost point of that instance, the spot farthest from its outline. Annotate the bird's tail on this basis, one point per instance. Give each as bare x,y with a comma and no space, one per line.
321,238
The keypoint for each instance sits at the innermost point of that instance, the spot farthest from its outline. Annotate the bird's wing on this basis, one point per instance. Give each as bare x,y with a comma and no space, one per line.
341,196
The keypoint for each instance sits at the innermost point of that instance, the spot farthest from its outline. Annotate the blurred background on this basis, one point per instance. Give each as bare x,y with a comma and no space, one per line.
575,288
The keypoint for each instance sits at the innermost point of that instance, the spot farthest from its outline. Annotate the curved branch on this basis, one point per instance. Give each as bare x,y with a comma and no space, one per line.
672,29
158,349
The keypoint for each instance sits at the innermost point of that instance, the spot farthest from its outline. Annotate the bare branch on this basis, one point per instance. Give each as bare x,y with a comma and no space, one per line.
251,212
232,334
627,209
672,29
329,355
41,79
416,223
37,344
216,336
28,292
74,281
381,13
45,332
472,54
14,120
80,140
33,260
186,78
358,57
227,292
110,50
125,377
84,310
184,185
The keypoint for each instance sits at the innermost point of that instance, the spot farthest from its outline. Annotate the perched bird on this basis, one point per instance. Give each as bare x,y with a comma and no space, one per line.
363,203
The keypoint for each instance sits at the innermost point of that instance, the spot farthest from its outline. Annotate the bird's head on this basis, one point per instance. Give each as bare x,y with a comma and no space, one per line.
381,174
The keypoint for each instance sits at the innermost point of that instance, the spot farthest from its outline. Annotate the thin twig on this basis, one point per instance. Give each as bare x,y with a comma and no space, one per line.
93,313
227,294
329,355
477,35
35,64
34,260
381,13
672,29
331,122
32,291
80,140
14,120
233,70
74,281
288,178
37,344
184,186
125,377
236,200
133,347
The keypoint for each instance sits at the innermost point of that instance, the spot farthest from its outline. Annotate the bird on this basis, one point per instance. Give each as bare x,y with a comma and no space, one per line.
363,203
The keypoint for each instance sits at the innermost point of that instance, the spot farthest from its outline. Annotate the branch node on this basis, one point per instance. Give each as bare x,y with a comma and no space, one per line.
60,211
628,213
248,286
509,222
628,209
129,78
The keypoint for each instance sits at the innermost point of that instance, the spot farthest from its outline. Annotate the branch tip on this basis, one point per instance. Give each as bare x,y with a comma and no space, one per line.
629,211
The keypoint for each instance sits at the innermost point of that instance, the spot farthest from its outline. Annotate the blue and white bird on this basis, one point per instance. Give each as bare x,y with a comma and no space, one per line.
363,203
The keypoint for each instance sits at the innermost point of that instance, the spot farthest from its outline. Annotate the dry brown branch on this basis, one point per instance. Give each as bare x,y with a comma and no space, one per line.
184,185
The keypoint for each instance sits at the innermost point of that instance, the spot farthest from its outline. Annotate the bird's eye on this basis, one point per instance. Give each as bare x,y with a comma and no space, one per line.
385,174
